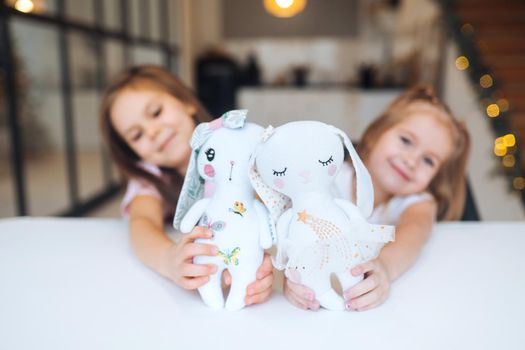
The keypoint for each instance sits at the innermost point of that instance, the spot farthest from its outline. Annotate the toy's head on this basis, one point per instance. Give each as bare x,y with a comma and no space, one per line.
220,155
299,158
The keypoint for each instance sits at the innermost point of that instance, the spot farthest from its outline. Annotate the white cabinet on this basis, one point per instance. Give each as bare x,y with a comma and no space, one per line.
348,109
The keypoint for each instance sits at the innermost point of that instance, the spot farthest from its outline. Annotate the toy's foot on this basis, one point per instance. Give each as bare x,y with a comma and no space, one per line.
234,304
212,297
331,300
214,303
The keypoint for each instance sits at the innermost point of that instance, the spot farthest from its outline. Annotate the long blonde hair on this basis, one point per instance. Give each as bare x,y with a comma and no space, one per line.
449,184
146,76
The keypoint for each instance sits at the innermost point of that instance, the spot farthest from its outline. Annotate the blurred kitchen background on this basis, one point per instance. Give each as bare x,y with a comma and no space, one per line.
338,61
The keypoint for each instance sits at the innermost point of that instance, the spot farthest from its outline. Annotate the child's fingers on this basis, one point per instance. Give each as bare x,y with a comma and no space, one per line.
366,301
260,285
266,267
293,298
363,287
301,290
259,297
197,232
200,249
194,282
197,270
363,268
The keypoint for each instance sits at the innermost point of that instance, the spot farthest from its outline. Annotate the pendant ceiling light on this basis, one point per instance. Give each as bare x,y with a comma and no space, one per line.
284,8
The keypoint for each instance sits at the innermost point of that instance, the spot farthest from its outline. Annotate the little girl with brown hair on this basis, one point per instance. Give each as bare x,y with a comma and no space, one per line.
147,119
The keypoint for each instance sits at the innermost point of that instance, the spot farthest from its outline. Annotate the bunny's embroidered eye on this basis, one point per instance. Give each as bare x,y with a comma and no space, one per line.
210,154
325,163
279,173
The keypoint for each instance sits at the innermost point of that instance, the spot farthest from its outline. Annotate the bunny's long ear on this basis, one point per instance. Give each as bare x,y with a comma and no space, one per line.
193,185
276,202
365,188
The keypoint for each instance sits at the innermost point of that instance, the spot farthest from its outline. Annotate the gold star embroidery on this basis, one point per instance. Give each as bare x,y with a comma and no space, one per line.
302,216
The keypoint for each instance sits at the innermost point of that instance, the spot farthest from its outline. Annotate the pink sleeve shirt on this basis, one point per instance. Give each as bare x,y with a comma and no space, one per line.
139,187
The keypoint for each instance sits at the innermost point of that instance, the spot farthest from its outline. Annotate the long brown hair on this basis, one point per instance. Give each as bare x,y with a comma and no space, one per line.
449,184
146,76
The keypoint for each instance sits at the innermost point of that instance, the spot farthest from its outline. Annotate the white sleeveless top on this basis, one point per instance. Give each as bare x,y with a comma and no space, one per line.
388,213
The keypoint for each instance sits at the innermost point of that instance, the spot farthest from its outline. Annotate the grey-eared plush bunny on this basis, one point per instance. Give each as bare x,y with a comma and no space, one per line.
217,194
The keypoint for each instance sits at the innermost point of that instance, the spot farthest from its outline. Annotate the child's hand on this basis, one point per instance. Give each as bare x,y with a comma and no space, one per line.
178,260
370,292
300,295
260,290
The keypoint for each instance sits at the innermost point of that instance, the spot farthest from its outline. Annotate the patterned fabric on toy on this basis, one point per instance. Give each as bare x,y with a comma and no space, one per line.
220,161
293,169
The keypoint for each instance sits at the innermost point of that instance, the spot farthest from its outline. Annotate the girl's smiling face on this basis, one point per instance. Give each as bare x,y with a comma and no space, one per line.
156,125
406,157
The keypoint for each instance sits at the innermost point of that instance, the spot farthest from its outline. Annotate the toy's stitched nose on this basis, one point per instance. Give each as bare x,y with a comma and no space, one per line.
306,175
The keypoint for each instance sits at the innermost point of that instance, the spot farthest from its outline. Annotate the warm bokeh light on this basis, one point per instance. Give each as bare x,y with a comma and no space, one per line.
503,104
509,161
519,183
284,3
25,6
492,110
284,8
486,81
467,28
509,140
500,149
462,63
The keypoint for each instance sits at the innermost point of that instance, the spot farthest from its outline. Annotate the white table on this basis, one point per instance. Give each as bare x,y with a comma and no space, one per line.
75,284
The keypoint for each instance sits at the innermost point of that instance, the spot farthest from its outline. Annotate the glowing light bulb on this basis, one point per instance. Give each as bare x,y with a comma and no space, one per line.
509,161
503,104
284,3
519,183
462,63
509,140
284,8
25,6
500,149
486,81
467,28
492,110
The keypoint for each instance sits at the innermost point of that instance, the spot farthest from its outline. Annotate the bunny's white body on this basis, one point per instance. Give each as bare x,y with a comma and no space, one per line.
319,235
323,236
239,223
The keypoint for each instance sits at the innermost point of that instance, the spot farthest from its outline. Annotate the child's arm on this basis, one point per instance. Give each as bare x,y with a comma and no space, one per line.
412,231
155,249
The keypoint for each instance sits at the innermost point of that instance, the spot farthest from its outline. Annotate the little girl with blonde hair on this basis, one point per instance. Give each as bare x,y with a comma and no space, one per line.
416,153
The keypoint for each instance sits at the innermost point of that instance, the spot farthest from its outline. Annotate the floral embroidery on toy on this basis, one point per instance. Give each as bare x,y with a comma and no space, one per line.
214,226
238,208
230,258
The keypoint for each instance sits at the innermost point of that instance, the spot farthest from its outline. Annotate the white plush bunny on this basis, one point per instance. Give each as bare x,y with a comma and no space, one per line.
220,159
319,235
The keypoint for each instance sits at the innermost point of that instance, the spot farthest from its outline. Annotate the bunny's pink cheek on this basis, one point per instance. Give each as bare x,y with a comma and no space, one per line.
279,183
332,169
209,171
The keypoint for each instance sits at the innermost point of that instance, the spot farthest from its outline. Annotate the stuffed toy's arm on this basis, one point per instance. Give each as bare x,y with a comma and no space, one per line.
283,225
360,228
193,215
265,231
